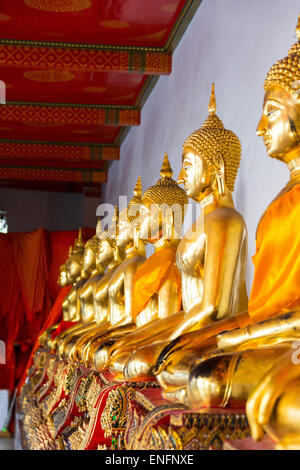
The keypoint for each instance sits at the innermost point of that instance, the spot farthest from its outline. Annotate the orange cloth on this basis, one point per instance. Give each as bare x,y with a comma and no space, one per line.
54,317
276,284
28,286
151,276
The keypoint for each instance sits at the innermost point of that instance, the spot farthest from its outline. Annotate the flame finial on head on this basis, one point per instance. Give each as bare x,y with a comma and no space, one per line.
166,170
99,229
138,189
212,106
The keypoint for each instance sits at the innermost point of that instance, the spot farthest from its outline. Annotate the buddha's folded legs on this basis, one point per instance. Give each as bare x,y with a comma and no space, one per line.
228,379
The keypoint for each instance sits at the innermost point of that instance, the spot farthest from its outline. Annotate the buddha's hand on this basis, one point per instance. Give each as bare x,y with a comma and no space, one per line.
117,347
73,355
196,319
261,402
168,352
203,342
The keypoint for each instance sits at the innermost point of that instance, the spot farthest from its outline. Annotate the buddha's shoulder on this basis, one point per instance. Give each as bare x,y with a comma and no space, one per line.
225,216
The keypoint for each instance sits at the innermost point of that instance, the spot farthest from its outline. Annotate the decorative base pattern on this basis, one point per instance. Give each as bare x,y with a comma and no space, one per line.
72,408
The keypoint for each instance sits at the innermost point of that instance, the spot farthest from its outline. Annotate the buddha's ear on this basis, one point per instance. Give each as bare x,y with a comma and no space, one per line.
220,172
168,222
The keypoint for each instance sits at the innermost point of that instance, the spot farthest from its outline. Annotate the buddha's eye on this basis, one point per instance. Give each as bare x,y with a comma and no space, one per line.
271,110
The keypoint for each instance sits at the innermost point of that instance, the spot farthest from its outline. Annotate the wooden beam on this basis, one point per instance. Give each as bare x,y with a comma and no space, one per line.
58,174
37,55
27,150
60,113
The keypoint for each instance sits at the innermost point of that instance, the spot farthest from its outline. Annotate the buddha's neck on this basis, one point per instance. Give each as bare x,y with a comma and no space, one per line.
163,243
294,167
112,265
95,271
212,200
131,250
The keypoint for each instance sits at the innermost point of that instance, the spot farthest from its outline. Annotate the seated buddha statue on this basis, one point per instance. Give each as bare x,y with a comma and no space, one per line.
69,280
211,256
255,362
109,256
76,277
157,283
62,281
91,273
120,284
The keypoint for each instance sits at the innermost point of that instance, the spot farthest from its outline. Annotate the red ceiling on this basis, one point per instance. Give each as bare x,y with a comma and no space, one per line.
113,22
76,73
78,87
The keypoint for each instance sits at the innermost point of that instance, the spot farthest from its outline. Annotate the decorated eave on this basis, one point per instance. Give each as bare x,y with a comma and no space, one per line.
77,73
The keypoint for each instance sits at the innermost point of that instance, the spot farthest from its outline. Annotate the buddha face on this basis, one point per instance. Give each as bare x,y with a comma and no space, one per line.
73,268
63,278
105,253
88,259
195,174
280,124
125,232
154,221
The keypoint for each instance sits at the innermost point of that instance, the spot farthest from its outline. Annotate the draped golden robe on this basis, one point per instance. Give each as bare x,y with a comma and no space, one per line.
276,284
151,275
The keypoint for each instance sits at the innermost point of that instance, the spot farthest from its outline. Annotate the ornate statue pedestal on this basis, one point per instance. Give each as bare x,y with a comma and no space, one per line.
155,424
73,408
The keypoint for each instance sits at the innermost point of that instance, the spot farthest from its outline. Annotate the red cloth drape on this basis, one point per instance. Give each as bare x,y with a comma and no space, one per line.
28,287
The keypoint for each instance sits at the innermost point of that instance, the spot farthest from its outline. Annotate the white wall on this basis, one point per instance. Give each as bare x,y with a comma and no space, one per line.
233,43
28,210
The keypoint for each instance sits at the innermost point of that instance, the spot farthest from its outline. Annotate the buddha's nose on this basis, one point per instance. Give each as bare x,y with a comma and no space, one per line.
261,128
180,179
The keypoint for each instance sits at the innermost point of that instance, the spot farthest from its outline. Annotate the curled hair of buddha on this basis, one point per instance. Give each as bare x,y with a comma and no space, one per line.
92,244
213,139
130,213
166,191
78,248
285,73
110,234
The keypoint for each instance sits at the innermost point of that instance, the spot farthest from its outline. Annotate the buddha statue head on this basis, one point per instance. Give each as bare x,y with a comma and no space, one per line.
62,280
280,122
75,259
90,253
162,208
107,242
211,157
128,216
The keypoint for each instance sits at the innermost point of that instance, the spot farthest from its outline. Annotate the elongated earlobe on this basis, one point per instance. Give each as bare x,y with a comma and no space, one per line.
220,173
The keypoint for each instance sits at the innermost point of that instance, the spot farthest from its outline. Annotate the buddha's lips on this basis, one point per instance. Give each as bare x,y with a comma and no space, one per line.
267,141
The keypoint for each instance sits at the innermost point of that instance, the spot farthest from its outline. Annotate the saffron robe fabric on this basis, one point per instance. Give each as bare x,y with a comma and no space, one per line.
276,284
150,277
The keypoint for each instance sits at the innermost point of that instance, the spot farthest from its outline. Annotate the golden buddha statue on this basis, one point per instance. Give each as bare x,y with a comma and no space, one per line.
211,256
256,360
69,280
76,277
157,283
91,273
108,255
120,285
62,281
65,278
